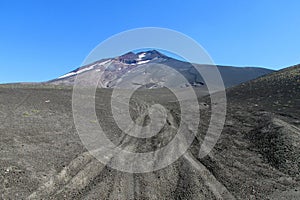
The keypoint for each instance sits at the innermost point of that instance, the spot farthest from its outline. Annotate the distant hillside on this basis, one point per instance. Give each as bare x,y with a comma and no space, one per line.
278,92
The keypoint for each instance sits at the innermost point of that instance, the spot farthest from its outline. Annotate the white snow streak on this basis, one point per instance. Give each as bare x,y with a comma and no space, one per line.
83,69
143,62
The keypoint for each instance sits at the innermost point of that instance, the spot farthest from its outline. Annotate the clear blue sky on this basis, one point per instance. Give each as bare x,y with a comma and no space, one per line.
41,40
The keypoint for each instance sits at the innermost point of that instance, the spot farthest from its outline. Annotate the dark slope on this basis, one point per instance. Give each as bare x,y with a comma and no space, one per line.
258,154
278,92
235,75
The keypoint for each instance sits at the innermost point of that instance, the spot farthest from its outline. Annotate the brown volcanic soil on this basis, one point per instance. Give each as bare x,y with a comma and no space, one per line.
257,156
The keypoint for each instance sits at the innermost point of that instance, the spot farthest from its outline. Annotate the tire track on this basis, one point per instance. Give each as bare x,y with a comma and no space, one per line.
80,175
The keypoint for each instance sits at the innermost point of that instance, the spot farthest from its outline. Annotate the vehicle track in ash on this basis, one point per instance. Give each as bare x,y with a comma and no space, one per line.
87,178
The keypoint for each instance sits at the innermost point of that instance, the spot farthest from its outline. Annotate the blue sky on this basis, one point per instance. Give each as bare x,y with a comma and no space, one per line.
41,40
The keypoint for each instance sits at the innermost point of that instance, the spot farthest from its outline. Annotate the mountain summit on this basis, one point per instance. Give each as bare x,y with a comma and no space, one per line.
149,64
141,57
